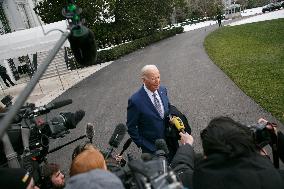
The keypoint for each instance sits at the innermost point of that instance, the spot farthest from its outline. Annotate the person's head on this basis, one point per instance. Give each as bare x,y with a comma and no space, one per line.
53,177
81,147
95,179
87,160
225,136
151,77
16,178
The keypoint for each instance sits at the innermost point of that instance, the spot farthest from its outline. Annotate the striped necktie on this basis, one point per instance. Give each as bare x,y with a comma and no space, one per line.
158,105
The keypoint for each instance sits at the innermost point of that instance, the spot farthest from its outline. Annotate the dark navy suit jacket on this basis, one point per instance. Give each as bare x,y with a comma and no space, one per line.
143,120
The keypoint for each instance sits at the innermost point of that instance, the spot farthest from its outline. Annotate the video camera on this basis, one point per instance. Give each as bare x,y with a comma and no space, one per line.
29,133
151,171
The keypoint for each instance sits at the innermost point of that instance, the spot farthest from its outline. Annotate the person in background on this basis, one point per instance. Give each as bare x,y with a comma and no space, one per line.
5,77
219,19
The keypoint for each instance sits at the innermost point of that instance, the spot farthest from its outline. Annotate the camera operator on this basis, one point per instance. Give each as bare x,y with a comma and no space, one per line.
53,178
88,170
231,159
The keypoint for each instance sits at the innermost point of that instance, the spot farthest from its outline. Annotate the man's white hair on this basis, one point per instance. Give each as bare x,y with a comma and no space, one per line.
146,68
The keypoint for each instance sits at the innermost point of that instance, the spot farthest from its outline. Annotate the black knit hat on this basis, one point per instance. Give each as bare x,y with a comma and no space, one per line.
11,178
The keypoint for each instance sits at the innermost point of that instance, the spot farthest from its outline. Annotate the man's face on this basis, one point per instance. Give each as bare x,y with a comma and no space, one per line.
57,179
152,79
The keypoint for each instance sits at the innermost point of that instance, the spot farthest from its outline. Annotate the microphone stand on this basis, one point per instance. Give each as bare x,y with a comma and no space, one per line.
6,121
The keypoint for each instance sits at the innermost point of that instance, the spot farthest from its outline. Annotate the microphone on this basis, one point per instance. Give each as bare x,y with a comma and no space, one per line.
161,145
83,45
47,108
117,135
116,138
146,156
162,153
125,146
177,122
59,104
90,132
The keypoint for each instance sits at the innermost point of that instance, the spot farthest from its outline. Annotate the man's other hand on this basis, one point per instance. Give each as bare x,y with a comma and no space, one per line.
186,138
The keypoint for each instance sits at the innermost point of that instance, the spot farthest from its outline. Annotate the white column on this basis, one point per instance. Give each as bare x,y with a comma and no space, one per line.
11,9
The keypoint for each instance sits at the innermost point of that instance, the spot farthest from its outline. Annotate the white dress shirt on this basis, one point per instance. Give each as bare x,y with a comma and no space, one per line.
150,94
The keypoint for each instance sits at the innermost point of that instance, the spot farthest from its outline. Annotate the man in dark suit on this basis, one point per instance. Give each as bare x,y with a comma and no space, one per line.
147,110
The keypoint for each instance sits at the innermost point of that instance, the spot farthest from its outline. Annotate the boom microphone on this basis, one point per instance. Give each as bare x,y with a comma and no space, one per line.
83,45
125,146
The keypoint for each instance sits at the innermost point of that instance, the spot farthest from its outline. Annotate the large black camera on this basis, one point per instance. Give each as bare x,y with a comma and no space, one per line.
151,171
30,132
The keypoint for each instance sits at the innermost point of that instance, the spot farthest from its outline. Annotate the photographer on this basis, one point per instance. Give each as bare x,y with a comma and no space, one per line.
231,159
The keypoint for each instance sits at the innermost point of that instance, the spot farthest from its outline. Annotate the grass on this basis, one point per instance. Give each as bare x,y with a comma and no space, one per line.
252,55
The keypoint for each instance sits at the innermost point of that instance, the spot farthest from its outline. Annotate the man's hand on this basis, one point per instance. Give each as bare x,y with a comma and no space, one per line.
186,138
269,126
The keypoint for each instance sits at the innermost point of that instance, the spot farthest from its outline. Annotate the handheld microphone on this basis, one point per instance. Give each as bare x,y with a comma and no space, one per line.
177,122
83,45
90,132
117,135
125,146
116,138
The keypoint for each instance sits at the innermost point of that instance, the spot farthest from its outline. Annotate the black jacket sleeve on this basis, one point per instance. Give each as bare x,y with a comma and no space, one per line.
281,146
183,164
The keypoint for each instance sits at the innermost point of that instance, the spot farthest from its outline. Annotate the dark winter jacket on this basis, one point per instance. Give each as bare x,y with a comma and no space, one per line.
219,172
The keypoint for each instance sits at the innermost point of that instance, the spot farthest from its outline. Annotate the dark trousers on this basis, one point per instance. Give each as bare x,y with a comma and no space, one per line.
6,77
219,22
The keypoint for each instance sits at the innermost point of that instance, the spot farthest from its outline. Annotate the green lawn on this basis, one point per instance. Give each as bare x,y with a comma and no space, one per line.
252,55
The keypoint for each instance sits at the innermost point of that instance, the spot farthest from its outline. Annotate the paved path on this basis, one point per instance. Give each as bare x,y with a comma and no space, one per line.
195,85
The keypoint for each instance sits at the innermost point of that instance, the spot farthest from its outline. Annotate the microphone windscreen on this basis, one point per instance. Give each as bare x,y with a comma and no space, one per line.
90,132
60,104
146,156
83,45
117,135
162,145
125,146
